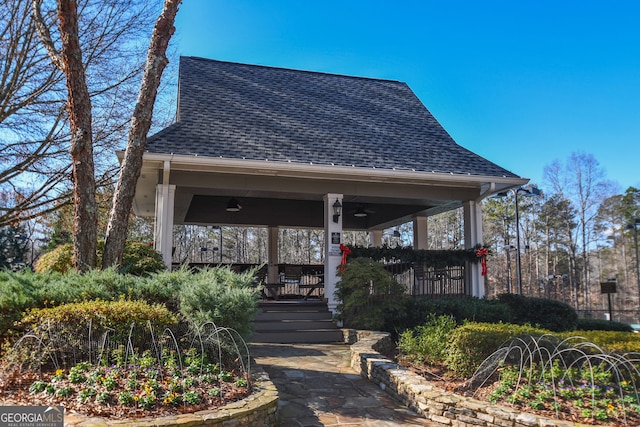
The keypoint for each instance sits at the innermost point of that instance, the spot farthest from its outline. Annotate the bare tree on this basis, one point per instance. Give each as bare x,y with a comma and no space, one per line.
498,226
35,171
581,180
140,124
69,61
31,118
107,27
446,230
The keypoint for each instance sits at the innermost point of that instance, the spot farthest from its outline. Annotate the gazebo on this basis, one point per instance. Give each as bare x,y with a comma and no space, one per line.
274,147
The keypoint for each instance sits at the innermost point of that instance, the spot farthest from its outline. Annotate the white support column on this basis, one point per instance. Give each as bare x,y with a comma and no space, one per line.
473,237
333,255
163,240
420,232
272,255
375,237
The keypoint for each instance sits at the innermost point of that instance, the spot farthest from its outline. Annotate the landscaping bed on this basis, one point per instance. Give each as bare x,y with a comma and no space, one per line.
122,400
573,405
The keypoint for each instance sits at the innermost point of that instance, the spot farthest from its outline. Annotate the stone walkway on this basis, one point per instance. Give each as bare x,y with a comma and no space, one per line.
317,387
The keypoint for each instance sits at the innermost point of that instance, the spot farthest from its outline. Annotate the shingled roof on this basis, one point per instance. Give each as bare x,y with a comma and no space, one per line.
238,111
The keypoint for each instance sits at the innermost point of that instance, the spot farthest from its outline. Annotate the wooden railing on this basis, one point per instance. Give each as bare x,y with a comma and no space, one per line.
295,281
302,280
423,280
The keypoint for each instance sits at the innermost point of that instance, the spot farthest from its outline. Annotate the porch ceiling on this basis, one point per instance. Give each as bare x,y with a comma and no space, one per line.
292,196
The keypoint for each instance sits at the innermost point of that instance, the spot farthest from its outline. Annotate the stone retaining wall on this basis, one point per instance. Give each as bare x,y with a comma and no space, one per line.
417,393
258,409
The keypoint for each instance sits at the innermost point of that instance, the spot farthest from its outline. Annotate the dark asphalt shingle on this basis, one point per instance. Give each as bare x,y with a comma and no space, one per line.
254,112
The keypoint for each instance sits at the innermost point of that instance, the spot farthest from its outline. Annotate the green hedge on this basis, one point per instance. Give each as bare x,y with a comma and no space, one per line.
470,344
78,331
464,348
232,302
118,316
548,314
419,309
507,308
613,341
601,325
94,284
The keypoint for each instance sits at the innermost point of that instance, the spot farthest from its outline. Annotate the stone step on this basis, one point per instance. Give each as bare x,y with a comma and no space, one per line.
290,322
293,305
295,337
292,315
293,325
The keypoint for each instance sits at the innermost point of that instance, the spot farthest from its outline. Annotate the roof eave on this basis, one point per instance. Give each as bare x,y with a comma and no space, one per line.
314,171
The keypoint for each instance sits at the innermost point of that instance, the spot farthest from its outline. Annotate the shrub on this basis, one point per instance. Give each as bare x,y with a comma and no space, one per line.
89,331
368,295
138,259
461,308
115,315
141,259
16,295
427,343
548,314
221,296
59,260
471,343
610,341
218,295
94,284
162,288
601,325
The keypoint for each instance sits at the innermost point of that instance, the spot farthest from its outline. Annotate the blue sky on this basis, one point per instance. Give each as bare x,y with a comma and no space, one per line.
521,83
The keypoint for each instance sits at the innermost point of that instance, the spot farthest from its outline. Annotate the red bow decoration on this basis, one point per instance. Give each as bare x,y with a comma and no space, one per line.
482,253
345,251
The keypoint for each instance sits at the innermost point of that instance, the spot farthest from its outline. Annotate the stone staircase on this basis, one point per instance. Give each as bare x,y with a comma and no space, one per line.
289,322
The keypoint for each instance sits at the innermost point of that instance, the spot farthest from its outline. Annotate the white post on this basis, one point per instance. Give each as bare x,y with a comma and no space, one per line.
163,240
272,255
333,255
420,232
375,237
472,237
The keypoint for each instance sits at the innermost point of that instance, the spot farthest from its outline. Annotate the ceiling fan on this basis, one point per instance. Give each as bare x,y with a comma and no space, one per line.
362,212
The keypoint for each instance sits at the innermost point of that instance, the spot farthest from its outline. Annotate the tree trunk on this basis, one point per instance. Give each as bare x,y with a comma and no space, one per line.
79,105
116,233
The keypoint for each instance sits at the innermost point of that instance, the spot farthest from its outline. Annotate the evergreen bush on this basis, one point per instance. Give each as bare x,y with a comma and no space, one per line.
73,319
221,296
461,308
610,341
601,325
547,314
60,260
94,284
138,259
17,293
470,344
368,295
427,343
163,287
